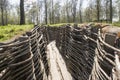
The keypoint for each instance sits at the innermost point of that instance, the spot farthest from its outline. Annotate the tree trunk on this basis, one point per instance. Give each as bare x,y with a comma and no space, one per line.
80,16
98,10
52,13
68,18
80,10
67,11
111,12
119,14
50,17
74,2
45,12
106,11
2,17
74,14
6,17
22,13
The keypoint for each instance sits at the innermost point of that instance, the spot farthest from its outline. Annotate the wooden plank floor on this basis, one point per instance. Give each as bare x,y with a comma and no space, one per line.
58,70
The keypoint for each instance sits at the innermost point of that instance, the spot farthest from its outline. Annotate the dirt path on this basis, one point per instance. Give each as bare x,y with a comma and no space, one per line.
58,70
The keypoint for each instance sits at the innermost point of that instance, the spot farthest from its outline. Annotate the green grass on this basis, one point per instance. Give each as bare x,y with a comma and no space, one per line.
116,24
10,31
59,24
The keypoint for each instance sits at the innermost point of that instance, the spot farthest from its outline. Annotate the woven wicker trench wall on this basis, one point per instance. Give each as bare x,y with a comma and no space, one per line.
82,49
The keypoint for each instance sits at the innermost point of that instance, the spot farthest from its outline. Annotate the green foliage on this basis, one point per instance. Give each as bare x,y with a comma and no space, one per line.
7,32
116,24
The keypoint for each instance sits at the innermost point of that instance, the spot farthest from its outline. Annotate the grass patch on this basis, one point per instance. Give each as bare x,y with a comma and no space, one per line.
9,31
116,24
59,24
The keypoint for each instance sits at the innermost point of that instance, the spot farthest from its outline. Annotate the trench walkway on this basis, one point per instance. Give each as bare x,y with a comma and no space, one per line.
58,69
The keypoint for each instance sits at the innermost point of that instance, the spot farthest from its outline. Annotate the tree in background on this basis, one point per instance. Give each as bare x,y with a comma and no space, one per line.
46,15
52,8
74,8
2,10
107,10
33,13
4,7
56,11
40,9
98,10
111,11
67,5
118,5
80,10
90,12
22,12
